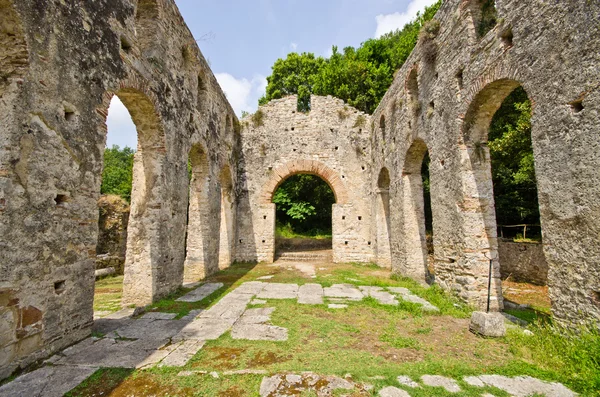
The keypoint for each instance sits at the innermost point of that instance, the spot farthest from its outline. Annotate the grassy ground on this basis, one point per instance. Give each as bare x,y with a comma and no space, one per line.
108,293
367,340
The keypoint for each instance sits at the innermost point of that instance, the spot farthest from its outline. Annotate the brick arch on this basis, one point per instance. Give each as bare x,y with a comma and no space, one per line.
313,167
142,105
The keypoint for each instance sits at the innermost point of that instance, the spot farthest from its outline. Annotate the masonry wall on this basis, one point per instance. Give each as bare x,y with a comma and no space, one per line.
331,141
461,79
61,64
523,262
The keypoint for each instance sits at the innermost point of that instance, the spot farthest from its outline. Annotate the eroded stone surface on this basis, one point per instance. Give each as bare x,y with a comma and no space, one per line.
346,291
47,382
383,297
521,386
278,291
200,293
310,294
407,381
441,381
391,391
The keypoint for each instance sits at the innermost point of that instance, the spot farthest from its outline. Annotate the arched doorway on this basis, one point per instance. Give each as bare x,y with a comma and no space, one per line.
415,177
382,219
304,205
500,180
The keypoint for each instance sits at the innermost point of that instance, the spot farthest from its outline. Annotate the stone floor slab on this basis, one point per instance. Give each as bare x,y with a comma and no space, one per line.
259,332
52,381
383,297
343,291
251,287
256,316
279,291
310,294
407,381
441,381
391,391
522,386
159,316
418,300
205,329
337,306
182,353
200,293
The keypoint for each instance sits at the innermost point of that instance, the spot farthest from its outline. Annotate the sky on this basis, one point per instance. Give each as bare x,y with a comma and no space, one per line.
241,39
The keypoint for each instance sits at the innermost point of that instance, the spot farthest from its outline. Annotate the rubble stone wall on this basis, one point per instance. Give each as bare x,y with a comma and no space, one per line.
523,262
62,62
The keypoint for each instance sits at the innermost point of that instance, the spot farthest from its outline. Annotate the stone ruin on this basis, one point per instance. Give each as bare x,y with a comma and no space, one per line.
62,62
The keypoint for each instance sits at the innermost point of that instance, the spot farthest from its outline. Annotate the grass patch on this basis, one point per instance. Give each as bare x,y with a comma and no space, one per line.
108,293
101,382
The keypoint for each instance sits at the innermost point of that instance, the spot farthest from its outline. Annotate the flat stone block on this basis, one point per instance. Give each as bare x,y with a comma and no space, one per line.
205,329
279,291
159,316
259,332
337,306
487,324
441,381
407,381
399,290
343,291
251,287
182,353
200,293
47,381
391,391
310,294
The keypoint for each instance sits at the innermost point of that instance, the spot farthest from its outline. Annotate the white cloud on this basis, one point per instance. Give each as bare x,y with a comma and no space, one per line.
121,129
293,46
243,94
391,22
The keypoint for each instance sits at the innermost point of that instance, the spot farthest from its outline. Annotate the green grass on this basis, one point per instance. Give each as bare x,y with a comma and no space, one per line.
366,339
108,293
286,231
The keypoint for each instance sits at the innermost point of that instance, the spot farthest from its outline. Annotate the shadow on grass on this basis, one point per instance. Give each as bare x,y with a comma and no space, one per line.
101,383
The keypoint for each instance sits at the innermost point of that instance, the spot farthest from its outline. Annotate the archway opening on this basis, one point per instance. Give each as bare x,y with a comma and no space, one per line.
418,219
499,144
227,220
304,205
384,257
114,208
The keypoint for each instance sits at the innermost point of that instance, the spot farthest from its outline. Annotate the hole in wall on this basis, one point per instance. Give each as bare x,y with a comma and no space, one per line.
360,218
596,298
69,115
293,128
240,241
336,148
125,44
460,79
577,106
59,287
507,38
270,168
264,217
294,150
360,130
363,167
369,243
264,241
61,199
343,218
331,129
345,243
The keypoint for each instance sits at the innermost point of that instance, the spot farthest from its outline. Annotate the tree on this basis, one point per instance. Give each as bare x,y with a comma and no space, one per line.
117,175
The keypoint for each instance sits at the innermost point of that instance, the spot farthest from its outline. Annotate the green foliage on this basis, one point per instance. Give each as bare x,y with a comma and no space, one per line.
489,17
258,118
117,175
304,202
513,172
360,76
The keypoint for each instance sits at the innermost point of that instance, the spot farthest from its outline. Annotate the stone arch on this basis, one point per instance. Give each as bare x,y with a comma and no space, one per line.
331,177
382,219
478,205
197,261
143,262
14,53
227,227
147,15
413,210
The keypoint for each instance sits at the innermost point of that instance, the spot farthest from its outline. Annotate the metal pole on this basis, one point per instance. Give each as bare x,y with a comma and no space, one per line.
489,287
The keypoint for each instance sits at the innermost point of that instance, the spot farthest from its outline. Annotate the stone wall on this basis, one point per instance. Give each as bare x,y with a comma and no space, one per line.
112,233
332,142
524,262
62,62
442,100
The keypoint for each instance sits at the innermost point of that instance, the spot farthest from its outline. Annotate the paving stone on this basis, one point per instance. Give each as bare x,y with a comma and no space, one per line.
251,287
200,293
417,299
256,316
246,372
407,381
310,294
205,329
441,381
399,290
265,277
182,353
258,302
51,381
343,291
474,381
292,379
523,386
231,307
337,306
391,391
269,385
191,315
383,297
156,356
150,329
159,316
259,332
279,291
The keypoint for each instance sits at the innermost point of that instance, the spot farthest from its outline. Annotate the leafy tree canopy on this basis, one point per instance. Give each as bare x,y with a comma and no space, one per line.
117,176
360,76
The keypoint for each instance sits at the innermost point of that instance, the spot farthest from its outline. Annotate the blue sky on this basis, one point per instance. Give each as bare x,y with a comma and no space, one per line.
242,39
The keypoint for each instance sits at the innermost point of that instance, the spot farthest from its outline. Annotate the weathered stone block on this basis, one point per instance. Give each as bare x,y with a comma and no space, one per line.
487,324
